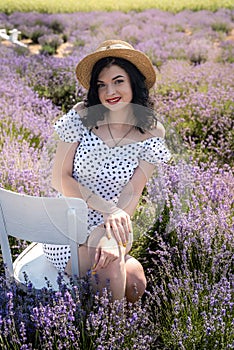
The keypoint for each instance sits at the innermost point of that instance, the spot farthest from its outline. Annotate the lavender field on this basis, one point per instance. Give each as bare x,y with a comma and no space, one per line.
184,229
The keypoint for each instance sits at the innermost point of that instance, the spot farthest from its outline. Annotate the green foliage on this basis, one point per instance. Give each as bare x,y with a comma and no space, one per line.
186,281
62,92
79,42
57,27
62,96
50,43
148,242
21,51
204,121
221,27
36,34
21,133
227,53
47,49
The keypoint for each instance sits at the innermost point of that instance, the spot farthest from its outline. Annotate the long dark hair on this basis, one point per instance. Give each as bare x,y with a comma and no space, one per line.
141,102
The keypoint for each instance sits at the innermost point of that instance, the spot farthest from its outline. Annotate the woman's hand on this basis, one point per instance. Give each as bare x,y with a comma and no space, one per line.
118,224
107,251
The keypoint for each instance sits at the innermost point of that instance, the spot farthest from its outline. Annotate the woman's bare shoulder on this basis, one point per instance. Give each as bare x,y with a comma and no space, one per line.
157,130
79,107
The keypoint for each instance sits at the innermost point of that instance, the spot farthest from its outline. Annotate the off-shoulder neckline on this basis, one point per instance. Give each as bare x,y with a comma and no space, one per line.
119,146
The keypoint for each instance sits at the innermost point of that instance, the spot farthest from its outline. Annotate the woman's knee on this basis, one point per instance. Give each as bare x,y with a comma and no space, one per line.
135,288
135,279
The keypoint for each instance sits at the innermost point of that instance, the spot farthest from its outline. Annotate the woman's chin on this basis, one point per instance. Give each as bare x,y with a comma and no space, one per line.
118,106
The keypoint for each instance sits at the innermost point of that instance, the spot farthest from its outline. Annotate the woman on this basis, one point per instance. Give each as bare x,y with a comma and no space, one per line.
109,147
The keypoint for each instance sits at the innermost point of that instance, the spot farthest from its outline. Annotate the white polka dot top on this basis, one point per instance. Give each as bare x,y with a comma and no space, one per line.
104,170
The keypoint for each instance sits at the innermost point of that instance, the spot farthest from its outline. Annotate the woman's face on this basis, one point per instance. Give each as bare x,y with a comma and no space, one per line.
114,87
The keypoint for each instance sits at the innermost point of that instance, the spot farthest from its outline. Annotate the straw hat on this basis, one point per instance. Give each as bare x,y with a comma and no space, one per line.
115,48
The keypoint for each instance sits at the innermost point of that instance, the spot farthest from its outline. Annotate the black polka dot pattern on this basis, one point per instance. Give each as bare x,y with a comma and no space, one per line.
102,169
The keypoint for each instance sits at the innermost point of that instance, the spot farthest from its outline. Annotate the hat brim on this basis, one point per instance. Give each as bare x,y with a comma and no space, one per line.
138,58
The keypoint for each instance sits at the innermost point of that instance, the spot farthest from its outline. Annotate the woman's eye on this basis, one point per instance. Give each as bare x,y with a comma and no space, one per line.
119,81
99,86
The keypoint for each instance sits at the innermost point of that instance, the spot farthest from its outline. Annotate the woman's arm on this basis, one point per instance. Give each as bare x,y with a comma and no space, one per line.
116,220
64,183
131,193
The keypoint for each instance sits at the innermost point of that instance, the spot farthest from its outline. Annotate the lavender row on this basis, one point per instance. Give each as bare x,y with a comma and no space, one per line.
187,49
185,99
198,102
196,36
187,255
26,132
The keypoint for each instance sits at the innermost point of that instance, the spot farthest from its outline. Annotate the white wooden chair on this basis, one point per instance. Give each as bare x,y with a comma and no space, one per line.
40,220
3,34
13,37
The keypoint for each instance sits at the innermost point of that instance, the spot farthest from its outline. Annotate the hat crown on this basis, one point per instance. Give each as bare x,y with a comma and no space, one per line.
120,49
114,44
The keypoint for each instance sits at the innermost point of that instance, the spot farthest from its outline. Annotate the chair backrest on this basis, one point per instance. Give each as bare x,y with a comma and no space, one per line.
42,219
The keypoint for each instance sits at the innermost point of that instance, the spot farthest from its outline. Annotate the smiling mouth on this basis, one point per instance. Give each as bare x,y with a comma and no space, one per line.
113,101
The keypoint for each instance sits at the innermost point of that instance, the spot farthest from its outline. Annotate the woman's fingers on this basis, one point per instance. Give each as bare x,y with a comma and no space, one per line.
113,230
99,262
127,226
96,258
103,258
107,227
119,227
123,233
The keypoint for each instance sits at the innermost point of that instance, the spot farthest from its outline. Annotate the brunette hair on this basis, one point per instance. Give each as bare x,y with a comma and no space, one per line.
145,117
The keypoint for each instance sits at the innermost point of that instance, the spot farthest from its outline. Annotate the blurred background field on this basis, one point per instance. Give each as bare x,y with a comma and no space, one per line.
183,226
59,6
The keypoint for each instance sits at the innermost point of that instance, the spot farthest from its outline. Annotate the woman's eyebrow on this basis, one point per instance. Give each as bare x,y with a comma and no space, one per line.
117,76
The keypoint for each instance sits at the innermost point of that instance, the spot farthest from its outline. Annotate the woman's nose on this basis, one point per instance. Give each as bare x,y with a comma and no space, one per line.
110,89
